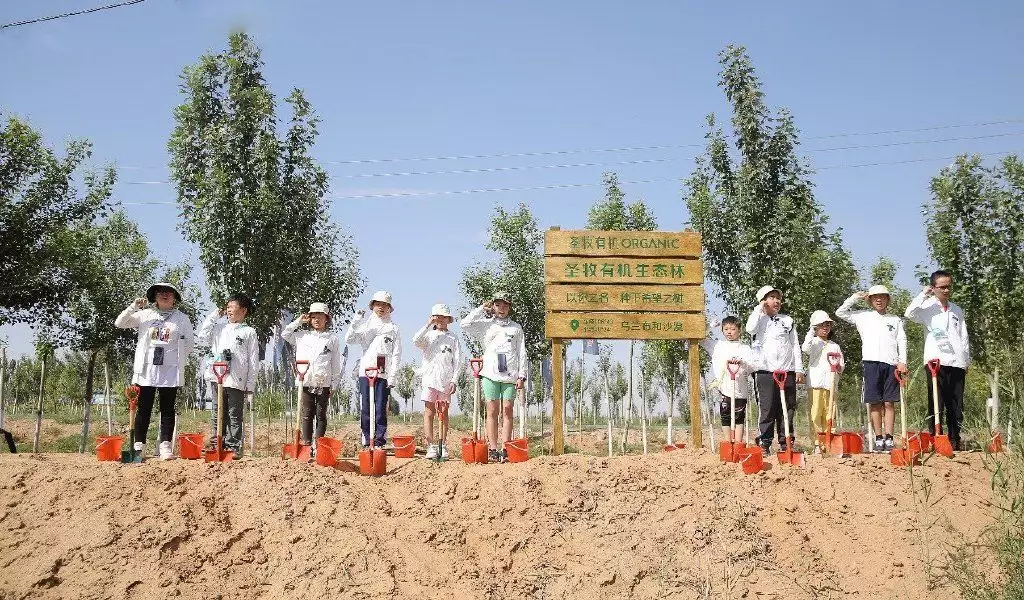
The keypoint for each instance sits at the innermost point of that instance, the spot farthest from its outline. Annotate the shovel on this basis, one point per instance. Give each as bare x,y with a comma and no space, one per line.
788,455
129,455
474,450
729,450
905,456
218,453
297,450
372,461
841,443
939,441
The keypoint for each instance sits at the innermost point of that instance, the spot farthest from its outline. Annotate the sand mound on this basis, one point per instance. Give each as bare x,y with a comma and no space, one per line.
666,525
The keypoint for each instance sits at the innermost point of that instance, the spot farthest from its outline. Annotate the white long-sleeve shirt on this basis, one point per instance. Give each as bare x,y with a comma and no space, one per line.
324,351
882,337
775,342
722,351
169,330
819,370
498,336
241,339
379,338
946,338
442,357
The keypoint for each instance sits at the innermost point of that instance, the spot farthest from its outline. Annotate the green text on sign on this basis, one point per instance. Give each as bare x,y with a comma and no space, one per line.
626,326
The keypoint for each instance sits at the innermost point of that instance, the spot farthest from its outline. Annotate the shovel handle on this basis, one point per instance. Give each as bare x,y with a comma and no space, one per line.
371,374
476,365
933,366
220,370
901,377
733,366
132,394
780,377
833,360
301,368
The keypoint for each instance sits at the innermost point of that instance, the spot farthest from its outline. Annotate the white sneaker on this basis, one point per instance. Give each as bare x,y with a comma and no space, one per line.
140,447
431,451
444,452
166,451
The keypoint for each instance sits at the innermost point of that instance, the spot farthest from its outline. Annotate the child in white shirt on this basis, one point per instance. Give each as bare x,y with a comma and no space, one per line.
442,365
818,345
382,349
721,353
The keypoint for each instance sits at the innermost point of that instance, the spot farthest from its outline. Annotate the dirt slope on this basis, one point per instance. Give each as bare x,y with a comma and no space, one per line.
678,525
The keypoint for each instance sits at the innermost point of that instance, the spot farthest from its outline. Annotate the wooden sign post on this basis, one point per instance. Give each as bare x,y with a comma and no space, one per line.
630,285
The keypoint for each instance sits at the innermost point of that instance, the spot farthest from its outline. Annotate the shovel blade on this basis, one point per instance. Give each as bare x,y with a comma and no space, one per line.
752,460
901,457
920,442
943,446
726,452
995,444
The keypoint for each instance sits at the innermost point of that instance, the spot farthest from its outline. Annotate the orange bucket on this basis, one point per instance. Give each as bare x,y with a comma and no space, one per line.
517,450
405,446
108,447
752,460
919,441
190,445
373,462
474,451
327,451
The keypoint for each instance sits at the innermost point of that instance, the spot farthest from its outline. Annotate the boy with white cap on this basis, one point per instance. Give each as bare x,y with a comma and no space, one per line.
504,368
442,365
818,345
946,340
164,341
326,357
776,348
884,351
382,349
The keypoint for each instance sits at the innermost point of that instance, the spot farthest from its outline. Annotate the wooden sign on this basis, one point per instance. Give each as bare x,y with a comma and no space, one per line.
569,269
625,326
680,244
659,298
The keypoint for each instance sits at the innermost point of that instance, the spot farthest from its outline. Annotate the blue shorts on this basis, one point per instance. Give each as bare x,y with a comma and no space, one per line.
880,383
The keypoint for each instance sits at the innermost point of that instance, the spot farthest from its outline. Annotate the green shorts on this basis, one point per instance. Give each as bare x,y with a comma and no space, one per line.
495,390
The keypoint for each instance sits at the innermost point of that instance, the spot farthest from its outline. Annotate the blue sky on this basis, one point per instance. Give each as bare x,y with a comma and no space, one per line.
395,80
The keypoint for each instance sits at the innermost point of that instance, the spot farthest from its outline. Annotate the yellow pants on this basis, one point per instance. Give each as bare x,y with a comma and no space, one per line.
819,408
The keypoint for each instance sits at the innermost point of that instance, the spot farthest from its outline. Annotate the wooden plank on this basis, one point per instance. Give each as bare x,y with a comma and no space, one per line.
696,428
568,269
679,244
557,395
658,298
624,326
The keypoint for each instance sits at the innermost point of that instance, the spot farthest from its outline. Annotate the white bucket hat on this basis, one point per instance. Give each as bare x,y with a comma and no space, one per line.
501,295
877,290
319,307
151,292
441,310
382,296
765,290
818,317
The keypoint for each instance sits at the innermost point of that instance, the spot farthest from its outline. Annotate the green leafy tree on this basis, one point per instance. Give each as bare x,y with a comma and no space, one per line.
254,202
975,230
405,384
42,214
518,269
756,210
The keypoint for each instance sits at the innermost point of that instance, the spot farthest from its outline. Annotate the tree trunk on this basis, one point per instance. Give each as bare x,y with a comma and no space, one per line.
3,380
106,392
90,370
993,386
39,406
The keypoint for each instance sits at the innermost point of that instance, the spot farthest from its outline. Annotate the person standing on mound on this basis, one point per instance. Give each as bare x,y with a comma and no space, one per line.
504,368
165,339
442,365
382,349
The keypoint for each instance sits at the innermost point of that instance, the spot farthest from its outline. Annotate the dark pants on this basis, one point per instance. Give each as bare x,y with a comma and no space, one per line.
314,399
770,405
380,401
145,411
233,427
951,401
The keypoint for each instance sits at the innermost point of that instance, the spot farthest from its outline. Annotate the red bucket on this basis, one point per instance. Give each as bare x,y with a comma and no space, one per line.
190,445
474,451
373,462
108,447
327,451
517,450
405,446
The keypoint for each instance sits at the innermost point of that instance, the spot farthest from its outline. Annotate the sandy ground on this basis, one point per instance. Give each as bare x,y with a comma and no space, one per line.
675,525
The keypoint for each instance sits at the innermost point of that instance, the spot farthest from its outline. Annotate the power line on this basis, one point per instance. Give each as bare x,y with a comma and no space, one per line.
71,14
513,168
563,186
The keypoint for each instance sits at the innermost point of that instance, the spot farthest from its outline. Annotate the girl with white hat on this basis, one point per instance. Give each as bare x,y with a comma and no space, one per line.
326,356
382,349
442,365
818,345
165,339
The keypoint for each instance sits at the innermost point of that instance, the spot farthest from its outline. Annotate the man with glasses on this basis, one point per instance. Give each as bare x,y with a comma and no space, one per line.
945,339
